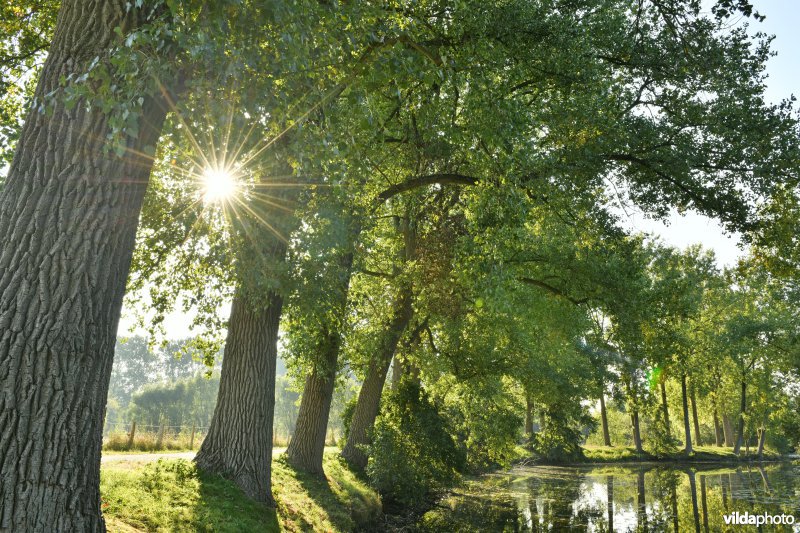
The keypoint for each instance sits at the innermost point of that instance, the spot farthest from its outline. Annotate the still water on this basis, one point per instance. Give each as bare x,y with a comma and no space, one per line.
614,498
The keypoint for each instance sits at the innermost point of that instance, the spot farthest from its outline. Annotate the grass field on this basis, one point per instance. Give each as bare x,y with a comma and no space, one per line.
171,495
617,454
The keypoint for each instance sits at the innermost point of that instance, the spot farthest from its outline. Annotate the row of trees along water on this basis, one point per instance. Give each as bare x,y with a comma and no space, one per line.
438,184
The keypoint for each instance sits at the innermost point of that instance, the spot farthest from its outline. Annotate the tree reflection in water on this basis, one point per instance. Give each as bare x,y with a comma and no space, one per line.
615,498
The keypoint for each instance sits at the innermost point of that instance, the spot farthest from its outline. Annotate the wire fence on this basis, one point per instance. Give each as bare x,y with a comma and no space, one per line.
129,435
118,425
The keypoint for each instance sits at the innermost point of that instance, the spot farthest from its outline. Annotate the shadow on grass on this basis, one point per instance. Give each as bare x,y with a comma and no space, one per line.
170,495
224,507
339,500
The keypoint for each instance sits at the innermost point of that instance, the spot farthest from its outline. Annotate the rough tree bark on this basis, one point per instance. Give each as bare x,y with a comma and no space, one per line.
68,217
686,425
369,397
762,438
239,441
717,430
308,443
238,445
742,411
604,420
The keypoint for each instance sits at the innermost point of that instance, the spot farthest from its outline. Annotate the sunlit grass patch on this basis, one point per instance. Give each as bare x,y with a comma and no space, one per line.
611,454
171,495
339,502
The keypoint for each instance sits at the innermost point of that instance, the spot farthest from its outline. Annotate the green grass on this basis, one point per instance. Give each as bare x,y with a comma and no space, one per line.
171,495
619,454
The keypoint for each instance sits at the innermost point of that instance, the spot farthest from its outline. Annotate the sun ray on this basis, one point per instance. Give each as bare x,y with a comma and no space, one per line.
333,92
274,202
258,217
179,118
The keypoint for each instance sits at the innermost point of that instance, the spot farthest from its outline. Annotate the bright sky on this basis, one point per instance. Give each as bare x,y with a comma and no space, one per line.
783,21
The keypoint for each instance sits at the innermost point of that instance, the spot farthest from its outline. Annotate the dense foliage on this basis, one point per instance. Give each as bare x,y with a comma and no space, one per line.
435,188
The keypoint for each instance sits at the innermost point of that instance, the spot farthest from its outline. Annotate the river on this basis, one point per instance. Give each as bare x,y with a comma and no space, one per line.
624,498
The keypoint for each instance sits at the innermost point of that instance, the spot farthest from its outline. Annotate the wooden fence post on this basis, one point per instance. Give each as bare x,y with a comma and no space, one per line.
131,435
160,440
191,440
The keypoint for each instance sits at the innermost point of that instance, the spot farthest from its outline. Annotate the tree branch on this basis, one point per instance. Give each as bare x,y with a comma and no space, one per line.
554,290
422,181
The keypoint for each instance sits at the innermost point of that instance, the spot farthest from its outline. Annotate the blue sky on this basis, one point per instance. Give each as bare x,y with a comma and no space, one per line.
782,21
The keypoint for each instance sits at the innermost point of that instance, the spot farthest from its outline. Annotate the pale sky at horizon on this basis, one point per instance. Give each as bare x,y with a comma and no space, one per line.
782,21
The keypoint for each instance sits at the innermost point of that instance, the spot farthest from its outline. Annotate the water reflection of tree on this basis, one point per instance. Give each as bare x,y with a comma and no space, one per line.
664,488
610,502
558,494
658,499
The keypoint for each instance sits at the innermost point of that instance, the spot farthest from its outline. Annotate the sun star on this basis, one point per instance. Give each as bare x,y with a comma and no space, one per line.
219,184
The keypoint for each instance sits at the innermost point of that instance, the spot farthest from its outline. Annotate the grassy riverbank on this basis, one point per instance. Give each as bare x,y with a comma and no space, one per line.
170,495
711,454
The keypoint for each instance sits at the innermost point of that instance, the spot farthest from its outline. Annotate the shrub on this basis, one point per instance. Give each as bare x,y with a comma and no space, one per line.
412,456
560,439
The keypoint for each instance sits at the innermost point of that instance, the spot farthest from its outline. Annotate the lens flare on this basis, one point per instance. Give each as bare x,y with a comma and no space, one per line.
219,185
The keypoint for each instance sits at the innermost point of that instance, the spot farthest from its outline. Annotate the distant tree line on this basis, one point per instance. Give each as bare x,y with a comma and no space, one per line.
172,387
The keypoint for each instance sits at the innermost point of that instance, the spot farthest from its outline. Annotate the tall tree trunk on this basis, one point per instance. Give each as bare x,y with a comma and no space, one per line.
686,425
717,430
369,397
528,415
308,444
637,434
742,409
68,216
665,407
727,428
238,445
694,415
762,437
604,420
